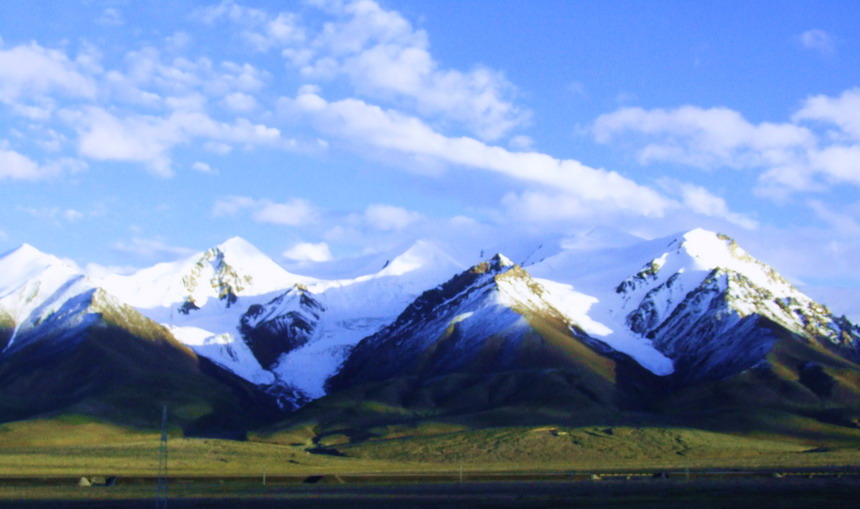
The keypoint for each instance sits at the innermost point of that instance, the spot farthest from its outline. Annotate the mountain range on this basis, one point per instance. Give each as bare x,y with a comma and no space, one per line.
604,328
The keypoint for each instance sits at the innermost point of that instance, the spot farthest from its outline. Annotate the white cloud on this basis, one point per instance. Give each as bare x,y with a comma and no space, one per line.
203,168
382,56
795,156
838,163
238,101
15,166
389,130
388,217
111,17
308,252
260,29
296,212
31,71
281,30
521,142
140,138
233,76
842,111
149,79
149,139
548,206
701,201
818,40
704,138
385,57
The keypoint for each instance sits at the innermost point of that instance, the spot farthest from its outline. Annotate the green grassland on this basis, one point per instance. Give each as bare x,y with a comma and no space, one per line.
76,446
426,461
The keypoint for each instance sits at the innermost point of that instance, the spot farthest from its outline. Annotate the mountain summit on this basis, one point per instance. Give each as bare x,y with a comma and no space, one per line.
490,318
711,307
688,321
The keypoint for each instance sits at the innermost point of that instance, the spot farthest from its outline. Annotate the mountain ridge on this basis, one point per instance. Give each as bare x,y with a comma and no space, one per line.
617,320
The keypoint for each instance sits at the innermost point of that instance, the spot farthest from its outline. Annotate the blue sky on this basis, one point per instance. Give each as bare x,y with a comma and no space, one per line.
137,132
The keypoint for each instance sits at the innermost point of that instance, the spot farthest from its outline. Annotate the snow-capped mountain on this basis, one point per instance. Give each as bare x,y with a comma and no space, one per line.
358,307
685,309
33,287
237,307
486,319
698,299
73,347
218,275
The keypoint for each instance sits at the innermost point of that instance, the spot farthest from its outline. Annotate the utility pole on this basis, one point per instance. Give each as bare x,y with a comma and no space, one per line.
161,486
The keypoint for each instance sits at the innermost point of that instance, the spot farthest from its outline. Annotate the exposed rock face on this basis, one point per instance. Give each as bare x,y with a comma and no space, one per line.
224,279
718,323
491,318
280,326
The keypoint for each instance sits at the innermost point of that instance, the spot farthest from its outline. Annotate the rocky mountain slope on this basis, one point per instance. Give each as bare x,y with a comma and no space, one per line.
483,320
74,348
700,300
607,323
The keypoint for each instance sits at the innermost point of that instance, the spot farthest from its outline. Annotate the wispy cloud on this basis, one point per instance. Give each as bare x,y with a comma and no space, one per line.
368,124
818,147
149,139
704,202
55,214
389,217
204,168
818,40
150,248
308,252
30,71
17,166
111,17
295,212
383,57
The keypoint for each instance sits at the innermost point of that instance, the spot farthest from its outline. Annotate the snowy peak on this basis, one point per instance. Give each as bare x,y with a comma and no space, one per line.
500,261
232,269
32,281
690,257
26,263
59,322
237,267
238,245
422,255
481,320
213,270
701,302
457,288
711,250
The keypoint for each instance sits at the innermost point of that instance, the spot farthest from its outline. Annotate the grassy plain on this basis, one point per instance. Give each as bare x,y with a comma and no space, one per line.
72,446
430,464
